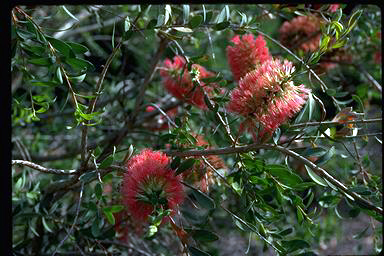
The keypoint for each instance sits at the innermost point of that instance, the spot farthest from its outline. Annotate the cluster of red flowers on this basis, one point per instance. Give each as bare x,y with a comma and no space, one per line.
294,31
178,81
149,182
246,55
304,33
267,96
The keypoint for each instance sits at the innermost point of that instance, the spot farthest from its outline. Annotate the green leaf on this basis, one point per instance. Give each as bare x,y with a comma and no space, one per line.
69,13
106,162
359,102
314,152
339,44
86,177
208,17
167,137
353,20
276,135
80,64
98,191
25,35
294,245
195,21
183,29
324,42
300,216
303,185
113,35
95,229
197,252
175,163
60,45
324,158
286,232
243,18
116,208
185,13
127,24
362,190
130,152
78,48
185,165
331,92
222,25
329,201
203,200
168,13
315,177
77,79
109,216
204,12
306,113
331,185
58,75
41,61
43,83
33,49
224,15
202,235
46,225
284,175
152,23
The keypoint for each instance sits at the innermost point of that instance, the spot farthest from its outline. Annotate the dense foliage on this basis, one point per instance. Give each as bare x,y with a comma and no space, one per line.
171,129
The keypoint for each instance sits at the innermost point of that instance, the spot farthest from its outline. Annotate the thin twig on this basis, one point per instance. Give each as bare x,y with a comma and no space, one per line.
359,163
344,137
214,169
74,221
252,228
92,104
364,121
369,77
42,168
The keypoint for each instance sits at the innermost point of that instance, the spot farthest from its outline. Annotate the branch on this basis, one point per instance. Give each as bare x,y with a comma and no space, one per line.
42,168
369,77
364,121
319,171
75,220
92,104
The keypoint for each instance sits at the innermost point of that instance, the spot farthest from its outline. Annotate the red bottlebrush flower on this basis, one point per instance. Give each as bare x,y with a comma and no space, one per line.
299,28
267,96
178,82
333,7
149,182
247,54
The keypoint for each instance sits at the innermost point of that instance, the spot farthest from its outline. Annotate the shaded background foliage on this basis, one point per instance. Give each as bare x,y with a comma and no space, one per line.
268,201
